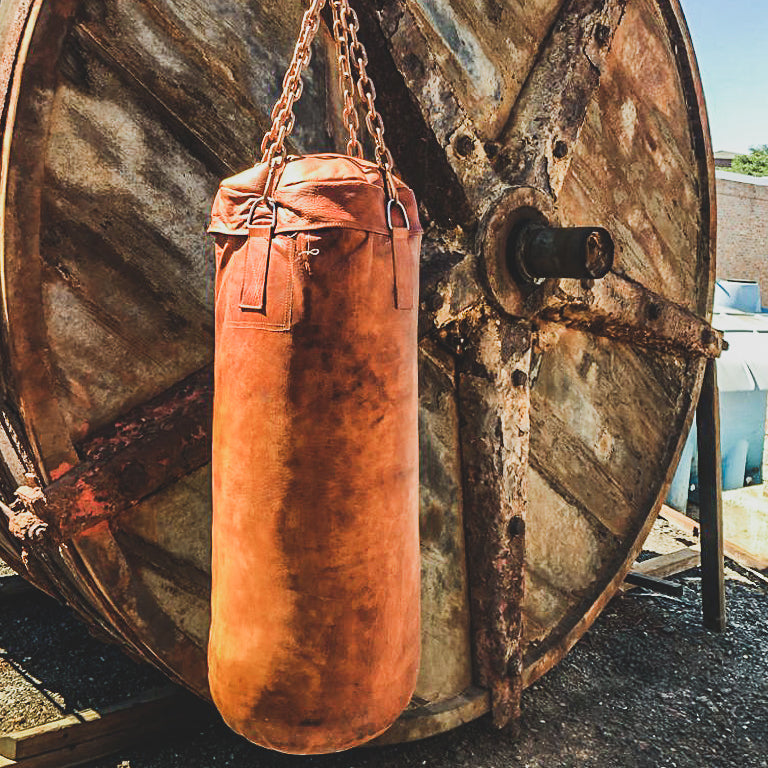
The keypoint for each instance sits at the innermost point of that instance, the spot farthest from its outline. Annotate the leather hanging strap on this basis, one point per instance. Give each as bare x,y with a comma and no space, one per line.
255,268
404,268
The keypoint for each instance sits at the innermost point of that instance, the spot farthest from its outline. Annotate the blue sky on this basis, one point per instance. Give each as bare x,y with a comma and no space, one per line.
731,43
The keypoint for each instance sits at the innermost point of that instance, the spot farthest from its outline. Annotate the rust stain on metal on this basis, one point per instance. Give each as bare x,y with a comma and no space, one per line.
549,114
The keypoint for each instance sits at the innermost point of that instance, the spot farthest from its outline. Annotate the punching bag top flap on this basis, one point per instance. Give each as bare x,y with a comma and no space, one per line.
312,192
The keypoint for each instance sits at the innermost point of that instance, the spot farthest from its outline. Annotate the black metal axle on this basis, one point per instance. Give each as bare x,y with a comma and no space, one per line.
536,251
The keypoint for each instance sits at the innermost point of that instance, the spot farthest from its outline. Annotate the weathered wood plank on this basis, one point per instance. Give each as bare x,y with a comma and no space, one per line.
486,57
446,657
556,580
634,169
197,64
666,565
420,721
154,710
90,734
21,181
598,437
730,549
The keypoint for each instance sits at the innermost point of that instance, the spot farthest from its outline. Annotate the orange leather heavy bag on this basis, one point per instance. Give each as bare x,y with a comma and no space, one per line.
314,641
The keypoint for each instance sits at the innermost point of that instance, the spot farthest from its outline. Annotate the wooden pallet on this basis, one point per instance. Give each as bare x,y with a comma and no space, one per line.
90,734
735,552
667,565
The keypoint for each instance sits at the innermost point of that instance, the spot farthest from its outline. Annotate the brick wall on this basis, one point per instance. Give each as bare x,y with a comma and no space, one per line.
742,230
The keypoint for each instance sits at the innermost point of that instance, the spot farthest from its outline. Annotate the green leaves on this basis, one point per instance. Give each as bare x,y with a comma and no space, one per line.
753,164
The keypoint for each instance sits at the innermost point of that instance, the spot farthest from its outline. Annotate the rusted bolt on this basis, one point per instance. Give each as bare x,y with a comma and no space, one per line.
464,144
519,378
516,527
435,302
602,33
560,150
653,311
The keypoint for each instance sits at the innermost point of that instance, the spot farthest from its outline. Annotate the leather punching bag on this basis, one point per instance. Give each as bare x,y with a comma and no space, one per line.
314,641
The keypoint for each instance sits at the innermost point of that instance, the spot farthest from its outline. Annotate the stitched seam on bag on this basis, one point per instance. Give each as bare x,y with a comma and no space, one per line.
289,292
262,327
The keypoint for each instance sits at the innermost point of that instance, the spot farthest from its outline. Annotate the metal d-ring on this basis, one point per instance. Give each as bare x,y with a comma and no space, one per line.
392,201
256,203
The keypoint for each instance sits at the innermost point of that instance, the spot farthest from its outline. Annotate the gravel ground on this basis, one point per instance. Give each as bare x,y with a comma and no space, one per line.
647,686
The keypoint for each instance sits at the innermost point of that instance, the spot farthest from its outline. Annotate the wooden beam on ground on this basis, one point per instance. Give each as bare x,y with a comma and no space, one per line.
666,565
90,734
662,586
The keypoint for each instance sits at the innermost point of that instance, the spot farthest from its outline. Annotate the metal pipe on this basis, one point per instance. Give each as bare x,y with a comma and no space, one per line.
536,252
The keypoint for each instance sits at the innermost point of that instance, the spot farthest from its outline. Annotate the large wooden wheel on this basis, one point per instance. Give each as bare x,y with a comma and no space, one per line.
551,413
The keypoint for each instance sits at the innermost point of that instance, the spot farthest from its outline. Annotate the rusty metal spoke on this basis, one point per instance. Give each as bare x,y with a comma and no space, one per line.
533,148
618,307
148,449
538,139
494,399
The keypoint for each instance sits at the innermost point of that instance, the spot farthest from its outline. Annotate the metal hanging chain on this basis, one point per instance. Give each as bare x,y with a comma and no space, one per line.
350,116
283,119
367,93
350,51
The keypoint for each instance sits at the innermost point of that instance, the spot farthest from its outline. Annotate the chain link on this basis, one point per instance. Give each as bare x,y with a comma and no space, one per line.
349,115
283,119
349,51
367,93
